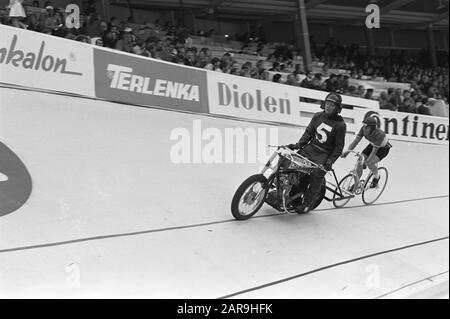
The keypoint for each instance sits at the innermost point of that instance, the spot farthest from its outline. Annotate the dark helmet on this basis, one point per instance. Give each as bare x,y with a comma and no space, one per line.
336,98
370,121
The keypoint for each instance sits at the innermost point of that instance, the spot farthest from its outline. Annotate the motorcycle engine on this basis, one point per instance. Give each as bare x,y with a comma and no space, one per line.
289,179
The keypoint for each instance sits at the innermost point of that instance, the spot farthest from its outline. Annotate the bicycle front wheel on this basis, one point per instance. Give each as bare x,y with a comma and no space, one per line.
371,194
348,184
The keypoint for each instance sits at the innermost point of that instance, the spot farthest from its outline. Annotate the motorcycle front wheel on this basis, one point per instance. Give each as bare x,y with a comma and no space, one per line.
249,197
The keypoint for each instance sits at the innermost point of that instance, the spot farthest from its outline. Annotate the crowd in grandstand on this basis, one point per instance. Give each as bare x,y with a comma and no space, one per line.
174,44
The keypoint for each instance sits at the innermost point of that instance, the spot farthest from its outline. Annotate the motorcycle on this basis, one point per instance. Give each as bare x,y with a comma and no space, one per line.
282,184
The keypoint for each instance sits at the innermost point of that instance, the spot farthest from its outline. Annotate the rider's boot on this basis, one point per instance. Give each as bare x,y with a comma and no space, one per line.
303,208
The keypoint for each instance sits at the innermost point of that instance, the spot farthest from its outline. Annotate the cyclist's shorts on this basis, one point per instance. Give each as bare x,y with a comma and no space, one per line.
381,153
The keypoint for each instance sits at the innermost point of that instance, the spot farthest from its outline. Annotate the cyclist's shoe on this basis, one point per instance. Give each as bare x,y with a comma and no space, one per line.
374,182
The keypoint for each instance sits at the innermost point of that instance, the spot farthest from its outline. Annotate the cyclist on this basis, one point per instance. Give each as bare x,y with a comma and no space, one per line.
377,149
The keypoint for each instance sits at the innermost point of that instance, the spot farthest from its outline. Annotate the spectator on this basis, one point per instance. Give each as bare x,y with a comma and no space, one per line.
265,76
190,58
157,49
226,57
215,62
127,42
113,22
291,80
203,60
111,37
245,71
17,13
82,38
326,71
307,82
143,34
369,94
345,83
316,83
51,22
407,105
224,67
352,91
297,70
103,28
390,93
169,53
331,84
247,65
396,98
360,91
423,107
437,107
260,67
60,29
93,24
276,78
424,83
254,73
234,71
181,52
97,41
384,102
433,89
35,19
275,67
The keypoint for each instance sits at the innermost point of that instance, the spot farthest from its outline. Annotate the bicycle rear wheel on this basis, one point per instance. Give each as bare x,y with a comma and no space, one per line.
347,183
369,194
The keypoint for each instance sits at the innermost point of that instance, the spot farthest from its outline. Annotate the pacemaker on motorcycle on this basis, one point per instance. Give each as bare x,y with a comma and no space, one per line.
284,180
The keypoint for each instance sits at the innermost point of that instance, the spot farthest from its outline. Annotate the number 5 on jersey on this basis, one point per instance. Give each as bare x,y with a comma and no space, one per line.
321,132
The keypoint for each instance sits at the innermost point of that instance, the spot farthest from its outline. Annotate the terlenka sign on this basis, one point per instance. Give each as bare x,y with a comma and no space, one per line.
122,78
